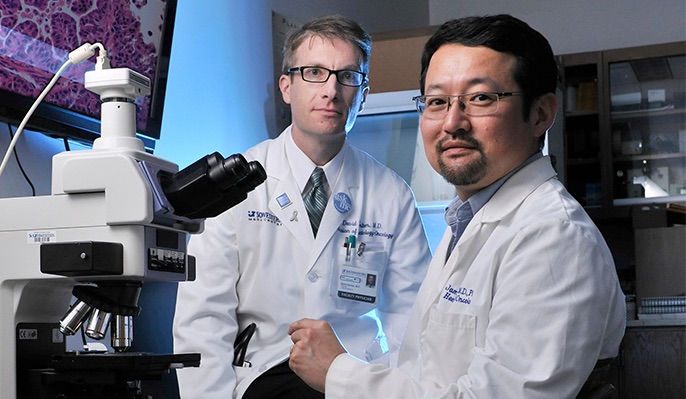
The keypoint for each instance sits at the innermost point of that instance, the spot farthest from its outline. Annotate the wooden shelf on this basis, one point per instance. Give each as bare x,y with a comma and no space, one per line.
645,113
641,157
574,114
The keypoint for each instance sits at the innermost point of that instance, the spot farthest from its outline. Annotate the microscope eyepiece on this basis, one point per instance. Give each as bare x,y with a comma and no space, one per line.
227,172
211,185
255,176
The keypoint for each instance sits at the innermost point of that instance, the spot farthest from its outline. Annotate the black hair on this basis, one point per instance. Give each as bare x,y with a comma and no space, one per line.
536,71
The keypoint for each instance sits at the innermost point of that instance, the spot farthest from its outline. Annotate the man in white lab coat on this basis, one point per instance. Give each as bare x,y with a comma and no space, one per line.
266,262
522,298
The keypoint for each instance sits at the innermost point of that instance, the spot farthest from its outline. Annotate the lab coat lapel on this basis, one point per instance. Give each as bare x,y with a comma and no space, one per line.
293,216
343,189
517,188
455,268
429,293
434,274
463,255
486,220
285,201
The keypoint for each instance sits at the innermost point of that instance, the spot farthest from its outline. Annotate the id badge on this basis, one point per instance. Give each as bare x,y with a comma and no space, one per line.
357,284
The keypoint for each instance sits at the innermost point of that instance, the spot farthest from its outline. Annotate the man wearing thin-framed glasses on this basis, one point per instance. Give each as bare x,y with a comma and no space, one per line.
328,219
479,103
522,299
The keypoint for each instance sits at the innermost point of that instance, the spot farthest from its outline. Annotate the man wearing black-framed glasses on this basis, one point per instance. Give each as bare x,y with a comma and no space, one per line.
315,74
305,243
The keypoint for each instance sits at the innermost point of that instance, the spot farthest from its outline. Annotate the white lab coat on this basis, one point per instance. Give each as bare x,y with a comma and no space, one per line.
525,305
259,262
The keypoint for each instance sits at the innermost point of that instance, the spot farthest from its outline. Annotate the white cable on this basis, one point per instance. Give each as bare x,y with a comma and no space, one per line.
28,114
77,56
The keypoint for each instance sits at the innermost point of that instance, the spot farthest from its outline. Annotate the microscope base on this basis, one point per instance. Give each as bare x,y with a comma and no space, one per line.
108,375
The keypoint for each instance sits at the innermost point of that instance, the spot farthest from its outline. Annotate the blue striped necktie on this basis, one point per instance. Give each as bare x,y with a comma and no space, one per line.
315,199
463,217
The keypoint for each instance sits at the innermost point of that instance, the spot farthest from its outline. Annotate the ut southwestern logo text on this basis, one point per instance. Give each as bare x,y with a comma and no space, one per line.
259,216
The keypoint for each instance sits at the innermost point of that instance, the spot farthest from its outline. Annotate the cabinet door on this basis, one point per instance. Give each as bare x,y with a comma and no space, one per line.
583,119
653,363
648,126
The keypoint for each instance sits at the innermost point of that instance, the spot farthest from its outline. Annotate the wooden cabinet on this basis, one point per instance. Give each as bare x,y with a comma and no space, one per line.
651,363
396,56
625,127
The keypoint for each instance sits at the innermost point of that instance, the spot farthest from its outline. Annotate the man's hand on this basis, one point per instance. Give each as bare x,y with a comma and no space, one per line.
315,346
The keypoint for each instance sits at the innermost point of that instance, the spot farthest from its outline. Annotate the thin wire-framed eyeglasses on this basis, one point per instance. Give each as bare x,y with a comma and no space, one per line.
480,103
315,74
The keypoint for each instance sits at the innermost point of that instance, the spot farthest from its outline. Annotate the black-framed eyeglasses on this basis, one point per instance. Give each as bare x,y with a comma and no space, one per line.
480,103
315,74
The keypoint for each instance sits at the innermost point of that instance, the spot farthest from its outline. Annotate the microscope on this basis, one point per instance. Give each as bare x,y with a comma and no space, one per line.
76,260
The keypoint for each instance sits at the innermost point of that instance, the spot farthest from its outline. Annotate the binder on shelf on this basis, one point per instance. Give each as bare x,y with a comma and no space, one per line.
662,309
676,300
587,96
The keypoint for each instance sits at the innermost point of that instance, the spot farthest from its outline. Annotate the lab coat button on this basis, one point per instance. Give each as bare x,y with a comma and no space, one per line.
312,277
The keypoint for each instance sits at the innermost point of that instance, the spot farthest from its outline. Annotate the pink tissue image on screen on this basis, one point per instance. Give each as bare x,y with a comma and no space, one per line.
36,37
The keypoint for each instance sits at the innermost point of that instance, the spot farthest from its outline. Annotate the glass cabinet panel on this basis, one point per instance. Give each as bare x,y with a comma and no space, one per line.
582,118
648,129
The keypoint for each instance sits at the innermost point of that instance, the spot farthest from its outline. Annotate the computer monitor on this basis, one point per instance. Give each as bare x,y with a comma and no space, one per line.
36,38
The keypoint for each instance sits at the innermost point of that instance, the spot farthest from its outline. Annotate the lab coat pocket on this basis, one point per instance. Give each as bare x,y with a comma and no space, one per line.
242,372
357,281
450,337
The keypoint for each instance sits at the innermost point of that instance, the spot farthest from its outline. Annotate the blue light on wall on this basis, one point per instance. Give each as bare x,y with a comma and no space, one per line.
220,78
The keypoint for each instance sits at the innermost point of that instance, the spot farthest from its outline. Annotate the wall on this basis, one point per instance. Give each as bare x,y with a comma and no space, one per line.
374,15
582,25
35,152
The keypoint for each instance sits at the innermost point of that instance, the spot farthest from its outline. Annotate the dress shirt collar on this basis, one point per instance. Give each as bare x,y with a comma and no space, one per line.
302,166
478,200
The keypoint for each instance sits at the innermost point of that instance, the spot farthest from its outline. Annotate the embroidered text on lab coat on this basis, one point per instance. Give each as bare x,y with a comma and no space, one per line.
459,295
